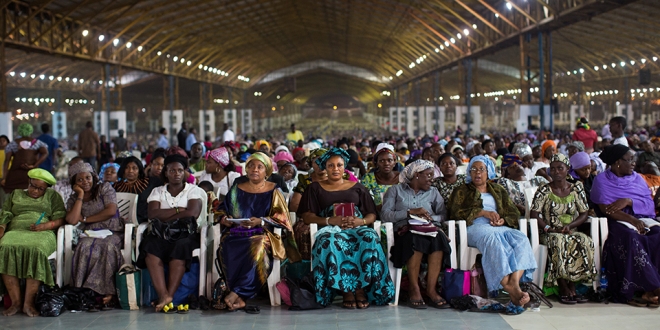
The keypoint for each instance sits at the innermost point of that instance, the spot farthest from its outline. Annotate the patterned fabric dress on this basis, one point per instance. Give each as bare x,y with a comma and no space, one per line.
96,260
375,189
445,188
350,259
246,254
516,189
570,256
24,253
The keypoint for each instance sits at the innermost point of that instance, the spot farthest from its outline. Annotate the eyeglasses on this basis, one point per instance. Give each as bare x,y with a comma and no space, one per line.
37,188
478,170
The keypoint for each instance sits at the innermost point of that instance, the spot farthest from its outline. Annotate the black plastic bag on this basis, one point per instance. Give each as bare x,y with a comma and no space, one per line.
50,301
303,294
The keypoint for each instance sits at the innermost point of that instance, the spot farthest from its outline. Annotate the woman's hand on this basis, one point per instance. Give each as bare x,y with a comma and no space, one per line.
40,227
351,222
420,212
27,166
225,222
78,190
639,225
253,222
618,205
565,230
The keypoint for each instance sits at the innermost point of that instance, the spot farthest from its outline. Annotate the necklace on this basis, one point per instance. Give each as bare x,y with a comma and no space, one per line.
173,201
254,187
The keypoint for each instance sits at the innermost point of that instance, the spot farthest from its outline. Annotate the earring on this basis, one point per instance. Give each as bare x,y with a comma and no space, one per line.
417,177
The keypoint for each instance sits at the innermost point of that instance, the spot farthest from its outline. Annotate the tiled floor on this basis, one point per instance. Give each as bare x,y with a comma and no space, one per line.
588,316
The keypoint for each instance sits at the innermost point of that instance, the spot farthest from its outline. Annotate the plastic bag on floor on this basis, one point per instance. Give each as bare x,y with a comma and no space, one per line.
50,301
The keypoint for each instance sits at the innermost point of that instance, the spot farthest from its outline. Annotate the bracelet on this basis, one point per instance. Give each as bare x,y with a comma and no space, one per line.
52,225
327,221
84,219
177,210
546,228
364,222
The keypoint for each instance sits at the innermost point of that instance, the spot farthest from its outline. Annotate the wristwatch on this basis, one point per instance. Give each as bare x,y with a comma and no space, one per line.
84,219
546,228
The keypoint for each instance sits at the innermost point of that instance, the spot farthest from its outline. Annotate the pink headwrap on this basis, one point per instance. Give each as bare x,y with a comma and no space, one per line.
220,155
283,156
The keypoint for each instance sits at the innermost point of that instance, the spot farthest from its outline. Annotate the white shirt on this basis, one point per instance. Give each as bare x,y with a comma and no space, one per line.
161,195
222,187
622,140
537,166
228,135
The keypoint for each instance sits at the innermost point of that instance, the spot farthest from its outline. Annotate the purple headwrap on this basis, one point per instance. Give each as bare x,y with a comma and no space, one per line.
580,160
220,155
608,188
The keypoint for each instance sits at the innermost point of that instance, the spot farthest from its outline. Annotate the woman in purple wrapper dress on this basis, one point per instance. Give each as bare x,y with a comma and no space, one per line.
631,254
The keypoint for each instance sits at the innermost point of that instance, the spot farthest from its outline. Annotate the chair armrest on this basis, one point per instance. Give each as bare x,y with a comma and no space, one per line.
534,232
523,226
313,228
68,253
128,243
59,257
462,240
604,231
451,234
377,225
138,238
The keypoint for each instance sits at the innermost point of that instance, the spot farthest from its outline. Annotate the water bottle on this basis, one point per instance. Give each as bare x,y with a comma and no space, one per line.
603,280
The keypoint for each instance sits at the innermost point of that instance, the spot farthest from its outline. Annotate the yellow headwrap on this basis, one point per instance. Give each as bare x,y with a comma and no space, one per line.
43,175
259,143
260,156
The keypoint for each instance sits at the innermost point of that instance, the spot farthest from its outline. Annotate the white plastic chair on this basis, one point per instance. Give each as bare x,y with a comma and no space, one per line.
396,273
273,278
468,254
201,253
70,154
137,154
58,257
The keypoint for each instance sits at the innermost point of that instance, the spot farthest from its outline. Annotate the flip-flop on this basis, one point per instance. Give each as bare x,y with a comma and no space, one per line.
567,300
182,309
440,304
169,309
252,309
580,299
417,304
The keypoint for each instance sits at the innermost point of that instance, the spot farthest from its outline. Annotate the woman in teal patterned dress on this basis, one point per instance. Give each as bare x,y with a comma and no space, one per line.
346,255
378,181
28,222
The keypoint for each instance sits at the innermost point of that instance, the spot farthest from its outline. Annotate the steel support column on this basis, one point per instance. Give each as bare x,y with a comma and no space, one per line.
549,82
468,90
171,98
106,80
3,78
541,82
417,101
436,99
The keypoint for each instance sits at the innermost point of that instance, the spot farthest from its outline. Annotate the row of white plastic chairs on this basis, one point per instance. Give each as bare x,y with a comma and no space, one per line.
462,257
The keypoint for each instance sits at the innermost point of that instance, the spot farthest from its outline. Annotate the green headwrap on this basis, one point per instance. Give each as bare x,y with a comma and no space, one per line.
43,175
25,130
260,156
329,154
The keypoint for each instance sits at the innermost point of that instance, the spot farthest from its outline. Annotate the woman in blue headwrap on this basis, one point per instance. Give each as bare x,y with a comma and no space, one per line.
492,220
346,255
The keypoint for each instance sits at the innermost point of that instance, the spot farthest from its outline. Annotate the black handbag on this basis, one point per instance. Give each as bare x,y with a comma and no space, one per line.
220,288
302,293
174,230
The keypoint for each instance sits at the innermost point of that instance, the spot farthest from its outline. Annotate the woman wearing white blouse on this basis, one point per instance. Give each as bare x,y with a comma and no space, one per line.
173,212
219,170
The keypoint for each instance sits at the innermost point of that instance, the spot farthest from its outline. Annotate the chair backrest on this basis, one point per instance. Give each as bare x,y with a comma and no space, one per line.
529,198
70,154
137,154
202,220
127,207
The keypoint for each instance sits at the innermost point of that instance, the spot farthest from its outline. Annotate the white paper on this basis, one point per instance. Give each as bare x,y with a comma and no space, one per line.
415,220
103,233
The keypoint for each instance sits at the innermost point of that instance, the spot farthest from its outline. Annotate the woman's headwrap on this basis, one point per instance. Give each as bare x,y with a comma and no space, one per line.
577,144
175,158
413,168
281,148
284,155
233,146
105,167
580,160
547,145
332,152
600,165
384,147
43,175
245,156
509,159
295,169
25,130
125,154
220,155
243,147
559,157
260,156
81,168
613,153
316,153
296,150
456,146
176,151
259,143
490,167
583,122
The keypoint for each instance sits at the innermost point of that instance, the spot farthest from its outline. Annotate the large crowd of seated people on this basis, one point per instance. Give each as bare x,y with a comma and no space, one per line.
343,186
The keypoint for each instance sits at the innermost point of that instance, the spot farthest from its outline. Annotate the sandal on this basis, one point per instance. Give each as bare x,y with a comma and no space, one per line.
182,309
365,304
512,309
252,309
440,304
417,304
169,309
567,300
580,299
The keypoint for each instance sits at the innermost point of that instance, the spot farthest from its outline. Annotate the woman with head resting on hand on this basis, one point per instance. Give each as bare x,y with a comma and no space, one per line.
416,196
492,220
346,256
28,222
631,254
93,206
246,249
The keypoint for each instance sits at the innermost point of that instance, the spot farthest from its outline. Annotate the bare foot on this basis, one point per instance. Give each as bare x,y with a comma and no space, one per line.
433,295
12,310
649,297
30,311
107,299
238,303
518,297
162,303
414,293
361,299
349,300
230,300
